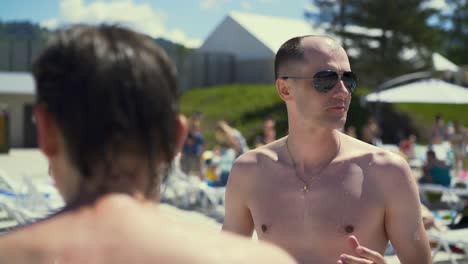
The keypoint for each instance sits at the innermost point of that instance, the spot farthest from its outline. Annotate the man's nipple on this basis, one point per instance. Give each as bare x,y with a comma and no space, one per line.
349,229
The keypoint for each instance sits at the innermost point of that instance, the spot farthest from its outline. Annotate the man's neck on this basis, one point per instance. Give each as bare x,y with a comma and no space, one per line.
94,201
132,183
312,148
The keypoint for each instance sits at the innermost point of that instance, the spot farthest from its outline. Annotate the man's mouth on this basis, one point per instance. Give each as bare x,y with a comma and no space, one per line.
337,107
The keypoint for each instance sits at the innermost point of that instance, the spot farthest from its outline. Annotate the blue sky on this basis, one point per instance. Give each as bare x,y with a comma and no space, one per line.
185,21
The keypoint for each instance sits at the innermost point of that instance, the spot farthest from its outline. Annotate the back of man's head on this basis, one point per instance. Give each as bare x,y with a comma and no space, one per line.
111,91
431,154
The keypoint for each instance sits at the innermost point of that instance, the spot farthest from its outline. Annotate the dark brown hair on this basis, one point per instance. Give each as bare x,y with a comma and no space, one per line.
110,90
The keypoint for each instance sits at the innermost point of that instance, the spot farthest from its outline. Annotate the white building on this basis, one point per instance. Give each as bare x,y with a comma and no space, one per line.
254,40
17,96
251,36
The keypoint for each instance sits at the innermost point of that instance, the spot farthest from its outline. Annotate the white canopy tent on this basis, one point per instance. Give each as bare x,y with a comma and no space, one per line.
440,63
424,91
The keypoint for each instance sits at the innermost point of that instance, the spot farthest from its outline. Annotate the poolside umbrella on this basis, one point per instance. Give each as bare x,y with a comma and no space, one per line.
424,91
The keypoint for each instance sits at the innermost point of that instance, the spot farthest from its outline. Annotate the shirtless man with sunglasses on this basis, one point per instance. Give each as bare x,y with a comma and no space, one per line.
321,195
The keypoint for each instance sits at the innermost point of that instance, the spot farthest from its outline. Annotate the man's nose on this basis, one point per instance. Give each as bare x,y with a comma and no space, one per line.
340,91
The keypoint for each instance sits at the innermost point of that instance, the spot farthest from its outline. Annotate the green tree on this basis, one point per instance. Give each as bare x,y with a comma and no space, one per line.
455,45
22,30
379,34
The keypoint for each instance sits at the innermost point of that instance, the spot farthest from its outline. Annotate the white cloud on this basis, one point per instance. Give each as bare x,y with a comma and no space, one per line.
209,4
437,4
246,5
50,23
140,17
177,35
212,4
312,8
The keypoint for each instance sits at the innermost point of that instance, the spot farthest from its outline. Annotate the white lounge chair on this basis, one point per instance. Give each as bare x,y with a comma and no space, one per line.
450,198
448,238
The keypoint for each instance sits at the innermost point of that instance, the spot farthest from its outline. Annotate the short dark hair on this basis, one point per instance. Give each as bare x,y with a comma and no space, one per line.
431,153
110,90
291,50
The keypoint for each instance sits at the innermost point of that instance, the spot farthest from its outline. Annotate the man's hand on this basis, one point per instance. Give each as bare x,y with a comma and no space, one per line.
365,255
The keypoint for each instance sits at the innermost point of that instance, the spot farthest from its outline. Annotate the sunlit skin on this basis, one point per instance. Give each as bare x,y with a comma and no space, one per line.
321,195
120,228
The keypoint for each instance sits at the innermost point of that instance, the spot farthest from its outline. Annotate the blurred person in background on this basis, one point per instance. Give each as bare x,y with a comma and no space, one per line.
231,144
435,171
269,130
371,132
190,159
269,133
459,140
438,131
231,137
351,131
407,147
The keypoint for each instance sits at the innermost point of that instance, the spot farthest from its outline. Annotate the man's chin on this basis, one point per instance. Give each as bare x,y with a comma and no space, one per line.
336,123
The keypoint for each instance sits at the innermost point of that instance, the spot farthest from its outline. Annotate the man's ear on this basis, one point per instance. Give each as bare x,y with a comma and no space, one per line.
283,89
181,132
47,131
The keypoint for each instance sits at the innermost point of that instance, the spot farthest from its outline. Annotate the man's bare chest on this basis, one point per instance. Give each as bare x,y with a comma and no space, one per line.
338,203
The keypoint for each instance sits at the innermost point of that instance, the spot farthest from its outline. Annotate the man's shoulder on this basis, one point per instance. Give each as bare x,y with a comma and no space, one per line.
387,172
376,158
357,145
255,157
70,234
253,163
120,229
269,151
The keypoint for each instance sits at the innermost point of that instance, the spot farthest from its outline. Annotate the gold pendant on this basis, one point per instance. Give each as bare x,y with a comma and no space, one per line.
305,188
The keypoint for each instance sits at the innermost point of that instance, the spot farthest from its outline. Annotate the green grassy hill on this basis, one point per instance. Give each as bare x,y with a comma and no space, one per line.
425,113
245,107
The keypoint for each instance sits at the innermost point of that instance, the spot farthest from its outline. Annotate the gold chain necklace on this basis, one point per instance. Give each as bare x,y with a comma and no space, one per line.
306,185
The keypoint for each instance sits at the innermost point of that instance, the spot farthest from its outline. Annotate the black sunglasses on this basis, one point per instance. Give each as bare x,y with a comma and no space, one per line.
324,81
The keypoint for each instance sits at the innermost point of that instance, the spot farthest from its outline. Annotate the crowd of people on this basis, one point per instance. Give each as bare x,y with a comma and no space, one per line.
455,134
441,161
214,165
370,132
445,152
